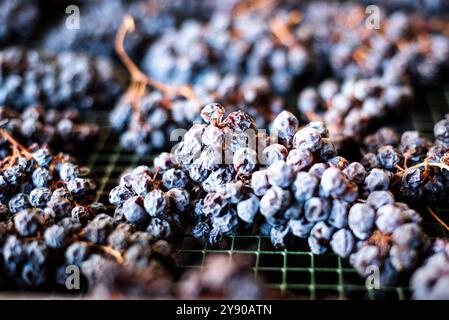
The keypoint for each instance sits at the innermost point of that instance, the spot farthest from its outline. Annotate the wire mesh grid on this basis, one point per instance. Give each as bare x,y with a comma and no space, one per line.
294,273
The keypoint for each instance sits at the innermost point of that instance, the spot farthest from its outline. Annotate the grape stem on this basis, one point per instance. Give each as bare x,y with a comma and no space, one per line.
17,148
428,164
435,216
245,7
139,80
115,253
106,249
281,31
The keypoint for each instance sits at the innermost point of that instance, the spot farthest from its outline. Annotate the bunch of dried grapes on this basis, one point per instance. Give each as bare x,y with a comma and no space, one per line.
58,81
203,175
418,164
59,130
308,191
49,221
242,44
116,281
216,179
148,119
402,48
430,281
153,18
351,108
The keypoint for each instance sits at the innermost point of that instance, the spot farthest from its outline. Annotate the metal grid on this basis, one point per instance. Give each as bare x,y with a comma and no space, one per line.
288,273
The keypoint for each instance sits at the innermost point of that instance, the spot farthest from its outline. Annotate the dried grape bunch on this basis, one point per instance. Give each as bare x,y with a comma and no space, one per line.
152,18
31,176
205,175
287,192
220,157
59,81
242,44
18,20
157,207
312,193
49,221
126,263
221,278
419,165
38,253
61,131
402,48
430,281
97,36
396,251
148,118
38,192
353,107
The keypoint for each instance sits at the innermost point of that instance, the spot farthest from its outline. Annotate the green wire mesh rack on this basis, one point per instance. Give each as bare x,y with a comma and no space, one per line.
292,274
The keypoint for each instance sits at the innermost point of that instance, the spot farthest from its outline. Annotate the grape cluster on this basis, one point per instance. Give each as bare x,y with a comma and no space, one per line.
149,119
418,164
203,53
108,263
156,206
149,129
396,247
39,191
224,177
219,156
306,190
59,130
410,48
97,36
49,222
57,81
430,281
352,107
153,18
200,176
310,192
